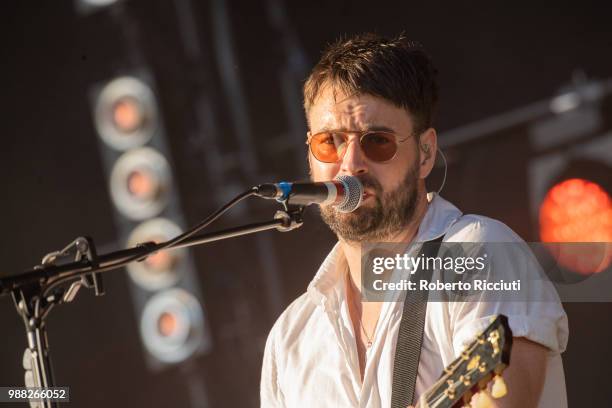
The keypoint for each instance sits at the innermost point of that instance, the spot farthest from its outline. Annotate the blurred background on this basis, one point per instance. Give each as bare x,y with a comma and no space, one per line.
132,120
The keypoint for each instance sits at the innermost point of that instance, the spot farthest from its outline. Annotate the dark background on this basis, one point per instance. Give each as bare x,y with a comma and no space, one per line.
492,58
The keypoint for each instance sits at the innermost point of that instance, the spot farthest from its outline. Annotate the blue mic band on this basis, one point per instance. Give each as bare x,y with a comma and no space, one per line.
285,187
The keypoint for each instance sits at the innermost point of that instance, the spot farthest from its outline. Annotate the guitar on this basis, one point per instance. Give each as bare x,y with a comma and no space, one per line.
480,363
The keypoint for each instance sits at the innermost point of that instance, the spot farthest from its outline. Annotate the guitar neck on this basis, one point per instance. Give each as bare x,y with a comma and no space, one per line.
483,360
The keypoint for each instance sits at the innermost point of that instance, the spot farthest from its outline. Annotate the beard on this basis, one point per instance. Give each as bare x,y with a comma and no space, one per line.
388,216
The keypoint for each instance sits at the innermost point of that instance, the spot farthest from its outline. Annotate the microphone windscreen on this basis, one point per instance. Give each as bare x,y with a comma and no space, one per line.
353,193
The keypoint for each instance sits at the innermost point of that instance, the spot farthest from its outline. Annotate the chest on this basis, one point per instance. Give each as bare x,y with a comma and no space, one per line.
321,365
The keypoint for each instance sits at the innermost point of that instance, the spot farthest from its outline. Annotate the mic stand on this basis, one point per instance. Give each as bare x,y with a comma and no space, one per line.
37,291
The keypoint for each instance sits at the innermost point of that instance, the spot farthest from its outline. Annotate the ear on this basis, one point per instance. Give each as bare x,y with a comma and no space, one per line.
428,145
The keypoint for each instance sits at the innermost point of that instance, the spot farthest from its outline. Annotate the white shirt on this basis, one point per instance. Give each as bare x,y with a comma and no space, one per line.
311,360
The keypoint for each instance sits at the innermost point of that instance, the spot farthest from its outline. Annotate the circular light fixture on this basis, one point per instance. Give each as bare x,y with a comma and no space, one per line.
162,269
126,113
140,182
172,325
578,211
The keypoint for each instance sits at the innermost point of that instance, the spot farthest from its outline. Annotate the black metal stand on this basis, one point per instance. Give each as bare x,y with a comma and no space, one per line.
37,291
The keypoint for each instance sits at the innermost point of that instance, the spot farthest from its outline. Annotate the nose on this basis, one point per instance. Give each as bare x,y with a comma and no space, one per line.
354,160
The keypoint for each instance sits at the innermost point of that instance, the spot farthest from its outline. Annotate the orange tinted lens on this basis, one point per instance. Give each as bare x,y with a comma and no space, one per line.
378,146
327,147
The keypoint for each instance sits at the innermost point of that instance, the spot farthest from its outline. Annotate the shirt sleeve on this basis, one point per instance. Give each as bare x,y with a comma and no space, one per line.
270,392
536,313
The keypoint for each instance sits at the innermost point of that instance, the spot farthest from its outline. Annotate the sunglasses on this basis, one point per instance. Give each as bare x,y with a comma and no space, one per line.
330,147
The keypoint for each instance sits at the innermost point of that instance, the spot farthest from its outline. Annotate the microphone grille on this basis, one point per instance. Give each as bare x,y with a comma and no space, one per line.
354,193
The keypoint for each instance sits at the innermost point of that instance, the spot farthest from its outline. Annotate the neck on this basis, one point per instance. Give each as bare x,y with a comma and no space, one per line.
352,250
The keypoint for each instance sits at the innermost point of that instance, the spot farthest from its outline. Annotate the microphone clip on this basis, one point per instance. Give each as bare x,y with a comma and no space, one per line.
291,217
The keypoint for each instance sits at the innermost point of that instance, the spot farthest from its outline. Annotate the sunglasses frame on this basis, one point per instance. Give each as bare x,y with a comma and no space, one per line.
362,134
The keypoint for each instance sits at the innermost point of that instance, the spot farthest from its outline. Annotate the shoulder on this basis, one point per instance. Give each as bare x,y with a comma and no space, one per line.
478,228
293,319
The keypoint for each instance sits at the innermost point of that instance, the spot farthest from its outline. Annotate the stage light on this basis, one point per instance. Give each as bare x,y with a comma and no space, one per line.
167,324
132,143
172,325
140,183
126,113
578,211
160,270
162,260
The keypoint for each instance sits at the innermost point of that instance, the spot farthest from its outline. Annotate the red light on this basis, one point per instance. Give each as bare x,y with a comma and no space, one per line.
167,324
578,210
127,114
162,260
142,184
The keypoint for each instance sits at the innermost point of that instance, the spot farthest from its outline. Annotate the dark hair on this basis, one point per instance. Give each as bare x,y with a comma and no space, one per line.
395,69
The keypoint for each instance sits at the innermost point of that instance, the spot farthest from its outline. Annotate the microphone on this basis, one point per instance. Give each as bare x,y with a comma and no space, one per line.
345,192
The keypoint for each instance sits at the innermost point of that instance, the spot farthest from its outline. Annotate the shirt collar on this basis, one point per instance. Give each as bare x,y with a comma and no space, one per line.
440,215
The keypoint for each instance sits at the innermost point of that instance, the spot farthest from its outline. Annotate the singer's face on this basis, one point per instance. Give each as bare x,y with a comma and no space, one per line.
391,187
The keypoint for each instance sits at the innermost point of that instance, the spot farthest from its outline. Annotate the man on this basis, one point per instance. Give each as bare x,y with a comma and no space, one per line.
369,104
